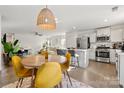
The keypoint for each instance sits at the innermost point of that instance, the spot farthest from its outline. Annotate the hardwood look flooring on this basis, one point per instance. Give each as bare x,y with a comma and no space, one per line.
97,75
7,75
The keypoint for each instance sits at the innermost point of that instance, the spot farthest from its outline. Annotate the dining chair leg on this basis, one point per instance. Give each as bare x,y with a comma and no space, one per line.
56,86
64,74
32,78
69,77
60,84
18,82
21,82
78,61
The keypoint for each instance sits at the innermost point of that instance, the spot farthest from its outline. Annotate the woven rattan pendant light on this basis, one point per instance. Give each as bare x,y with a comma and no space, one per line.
46,20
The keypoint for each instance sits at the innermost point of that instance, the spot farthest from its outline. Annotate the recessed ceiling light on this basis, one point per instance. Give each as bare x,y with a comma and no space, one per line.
56,19
105,20
74,27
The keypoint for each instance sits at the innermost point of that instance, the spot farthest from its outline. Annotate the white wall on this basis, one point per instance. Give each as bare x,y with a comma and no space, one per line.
57,41
117,33
31,41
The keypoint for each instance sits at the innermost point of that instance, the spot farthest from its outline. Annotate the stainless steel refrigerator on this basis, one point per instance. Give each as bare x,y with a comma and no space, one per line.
83,42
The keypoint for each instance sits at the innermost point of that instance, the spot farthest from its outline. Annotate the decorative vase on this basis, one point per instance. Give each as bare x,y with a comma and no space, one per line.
6,59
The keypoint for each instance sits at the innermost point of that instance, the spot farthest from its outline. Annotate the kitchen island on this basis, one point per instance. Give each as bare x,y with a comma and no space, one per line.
80,56
83,57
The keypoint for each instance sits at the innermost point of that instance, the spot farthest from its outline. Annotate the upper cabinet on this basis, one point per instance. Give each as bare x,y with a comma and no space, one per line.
93,37
71,40
103,31
116,35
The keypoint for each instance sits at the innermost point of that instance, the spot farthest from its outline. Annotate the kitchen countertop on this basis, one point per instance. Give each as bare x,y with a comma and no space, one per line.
121,53
115,49
81,49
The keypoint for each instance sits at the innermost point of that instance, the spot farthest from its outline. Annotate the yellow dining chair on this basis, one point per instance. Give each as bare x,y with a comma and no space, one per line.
20,71
45,53
48,75
65,66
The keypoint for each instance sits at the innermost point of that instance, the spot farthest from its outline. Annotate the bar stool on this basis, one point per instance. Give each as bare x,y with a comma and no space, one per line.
74,55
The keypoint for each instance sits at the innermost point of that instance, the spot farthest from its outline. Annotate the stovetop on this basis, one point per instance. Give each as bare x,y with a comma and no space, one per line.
103,48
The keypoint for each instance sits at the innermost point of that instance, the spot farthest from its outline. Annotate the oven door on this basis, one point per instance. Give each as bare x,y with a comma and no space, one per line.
103,56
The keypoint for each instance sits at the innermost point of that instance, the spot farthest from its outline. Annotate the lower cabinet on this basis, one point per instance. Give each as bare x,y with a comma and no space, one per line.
92,54
121,69
113,55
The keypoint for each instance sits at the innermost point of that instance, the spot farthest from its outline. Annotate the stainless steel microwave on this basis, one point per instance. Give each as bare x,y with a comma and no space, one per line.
103,38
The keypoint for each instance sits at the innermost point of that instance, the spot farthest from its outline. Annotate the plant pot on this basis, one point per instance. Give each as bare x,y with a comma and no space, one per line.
6,58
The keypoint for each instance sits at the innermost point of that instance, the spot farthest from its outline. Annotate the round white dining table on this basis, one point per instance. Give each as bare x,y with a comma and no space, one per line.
56,58
35,61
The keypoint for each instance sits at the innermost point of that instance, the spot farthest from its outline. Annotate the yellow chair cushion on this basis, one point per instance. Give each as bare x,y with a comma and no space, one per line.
48,75
19,68
24,73
45,53
65,66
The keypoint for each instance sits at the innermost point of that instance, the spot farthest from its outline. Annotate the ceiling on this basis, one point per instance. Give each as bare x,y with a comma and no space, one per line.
22,19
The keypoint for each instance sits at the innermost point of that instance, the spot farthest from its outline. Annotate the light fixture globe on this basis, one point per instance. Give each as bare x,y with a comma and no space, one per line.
46,20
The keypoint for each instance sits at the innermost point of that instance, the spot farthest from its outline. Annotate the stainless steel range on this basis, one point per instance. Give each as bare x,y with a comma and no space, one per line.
103,54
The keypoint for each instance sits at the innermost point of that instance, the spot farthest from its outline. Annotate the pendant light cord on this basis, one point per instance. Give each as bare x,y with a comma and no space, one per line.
46,3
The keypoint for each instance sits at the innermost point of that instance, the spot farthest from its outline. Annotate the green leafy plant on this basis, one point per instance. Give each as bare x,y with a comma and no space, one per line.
11,48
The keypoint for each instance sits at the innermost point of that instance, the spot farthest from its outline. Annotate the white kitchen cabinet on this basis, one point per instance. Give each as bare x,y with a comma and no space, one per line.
99,32
113,55
121,69
71,40
92,54
103,31
83,57
116,35
107,31
92,37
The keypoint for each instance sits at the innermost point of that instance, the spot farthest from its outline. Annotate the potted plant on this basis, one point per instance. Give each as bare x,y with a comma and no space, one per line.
10,49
